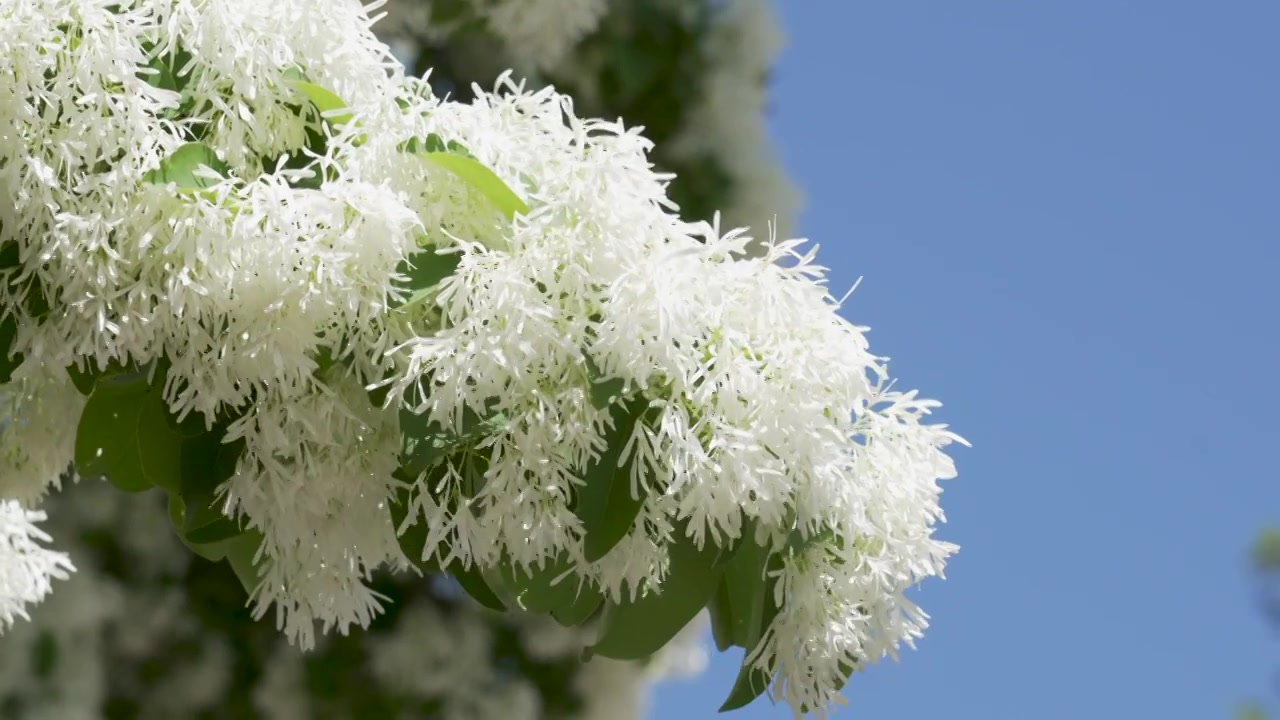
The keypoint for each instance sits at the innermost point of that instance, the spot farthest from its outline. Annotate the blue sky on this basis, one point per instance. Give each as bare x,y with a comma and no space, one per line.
1066,216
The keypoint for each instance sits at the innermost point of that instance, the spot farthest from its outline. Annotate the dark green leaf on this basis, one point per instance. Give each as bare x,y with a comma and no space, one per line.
604,502
207,462
634,630
84,379
162,77
761,607
746,588
240,554
426,442
472,580
177,516
413,538
540,590
123,436
750,684
603,391
583,607
8,362
424,271
412,541
159,446
180,168
721,610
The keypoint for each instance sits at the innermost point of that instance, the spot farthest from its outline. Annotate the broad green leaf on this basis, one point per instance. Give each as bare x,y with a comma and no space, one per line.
84,378
583,607
603,391
240,552
207,462
634,630
8,363
424,271
752,680
604,502
215,552
482,179
159,446
162,77
746,589
414,538
426,442
325,100
180,168
749,685
721,611
10,260
123,436
544,589
472,580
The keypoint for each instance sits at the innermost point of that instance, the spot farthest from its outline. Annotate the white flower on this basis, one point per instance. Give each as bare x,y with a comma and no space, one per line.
27,570
272,292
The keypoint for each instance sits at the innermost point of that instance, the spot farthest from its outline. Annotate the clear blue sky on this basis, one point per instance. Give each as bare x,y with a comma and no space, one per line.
1067,216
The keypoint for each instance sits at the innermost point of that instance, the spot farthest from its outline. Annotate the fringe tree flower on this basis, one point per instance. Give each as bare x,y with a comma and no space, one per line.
26,568
345,324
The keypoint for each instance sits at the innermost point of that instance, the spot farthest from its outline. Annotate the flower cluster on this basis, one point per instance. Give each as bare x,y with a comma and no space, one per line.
369,327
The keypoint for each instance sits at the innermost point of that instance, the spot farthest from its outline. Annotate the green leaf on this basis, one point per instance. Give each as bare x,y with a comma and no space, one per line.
749,685
604,502
123,436
10,260
721,610
762,608
8,362
583,607
482,179
159,446
746,589
472,580
180,168
424,271
215,552
635,630
240,555
427,442
207,462
84,379
414,538
542,589
325,100
603,391
162,77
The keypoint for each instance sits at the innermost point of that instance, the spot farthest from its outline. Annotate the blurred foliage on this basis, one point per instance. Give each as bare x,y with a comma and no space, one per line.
1264,559
645,63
